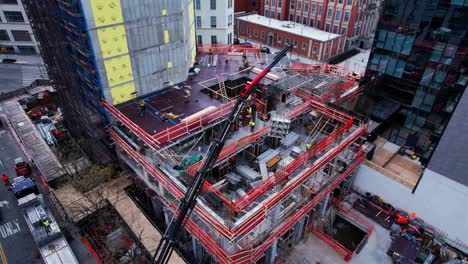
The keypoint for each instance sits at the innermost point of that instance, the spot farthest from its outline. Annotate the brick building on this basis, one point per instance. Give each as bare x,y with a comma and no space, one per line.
248,6
308,42
357,19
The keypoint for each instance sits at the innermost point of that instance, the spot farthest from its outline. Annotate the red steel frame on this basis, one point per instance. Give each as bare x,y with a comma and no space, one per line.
254,253
184,128
227,48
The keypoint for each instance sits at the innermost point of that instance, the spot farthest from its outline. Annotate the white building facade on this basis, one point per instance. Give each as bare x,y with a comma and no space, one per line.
214,21
16,35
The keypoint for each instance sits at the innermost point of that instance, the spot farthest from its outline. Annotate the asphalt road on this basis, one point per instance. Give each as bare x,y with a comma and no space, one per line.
16,242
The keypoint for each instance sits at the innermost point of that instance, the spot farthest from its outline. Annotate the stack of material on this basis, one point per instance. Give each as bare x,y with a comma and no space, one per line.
290,140
248,173
267,155
233,178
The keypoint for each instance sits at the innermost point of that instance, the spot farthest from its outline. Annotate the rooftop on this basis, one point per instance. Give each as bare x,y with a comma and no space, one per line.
22,73
290,27
175,104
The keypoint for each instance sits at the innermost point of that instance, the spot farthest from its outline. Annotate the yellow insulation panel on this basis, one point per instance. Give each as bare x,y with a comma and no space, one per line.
106,12
123,93
113,41
166,36
118,70
169,64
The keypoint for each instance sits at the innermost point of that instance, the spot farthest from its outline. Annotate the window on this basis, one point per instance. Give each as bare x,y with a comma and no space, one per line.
331,1
248,31
338,15
343,31
297,19
4,35
272,14
304,20
255,32
349,2
291,17
295,44
340,1
263,35
346,16
12,16
318,24
21,35
213,4
292,5
280,3
299,5
329,13
304,46
214,40
273,3
266,13
311,22
198,22
213,21
242,28
229,3
335,29
315,50
230,38
7,50
197,4
278,16
9,2
199,39
327,27
229,20
287,41
327,50
279,39
312,9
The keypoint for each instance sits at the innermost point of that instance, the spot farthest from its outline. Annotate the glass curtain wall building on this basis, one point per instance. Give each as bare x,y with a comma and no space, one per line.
417,71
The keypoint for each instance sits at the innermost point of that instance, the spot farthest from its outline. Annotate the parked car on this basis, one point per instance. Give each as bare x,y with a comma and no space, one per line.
22,168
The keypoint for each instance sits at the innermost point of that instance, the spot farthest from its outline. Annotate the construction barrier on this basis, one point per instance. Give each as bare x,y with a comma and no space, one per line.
225,48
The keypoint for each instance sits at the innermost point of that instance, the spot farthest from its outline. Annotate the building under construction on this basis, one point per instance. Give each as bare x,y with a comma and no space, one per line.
116,50
285,156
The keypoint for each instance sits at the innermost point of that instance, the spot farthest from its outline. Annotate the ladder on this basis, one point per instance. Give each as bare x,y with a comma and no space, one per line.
222,89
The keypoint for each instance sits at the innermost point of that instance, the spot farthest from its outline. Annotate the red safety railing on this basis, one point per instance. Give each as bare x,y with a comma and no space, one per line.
224,48
129,124
249,255
283,173
187,127
332,243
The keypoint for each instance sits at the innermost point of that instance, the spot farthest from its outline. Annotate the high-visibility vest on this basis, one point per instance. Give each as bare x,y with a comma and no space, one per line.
308,146
252,123
46,223
249,110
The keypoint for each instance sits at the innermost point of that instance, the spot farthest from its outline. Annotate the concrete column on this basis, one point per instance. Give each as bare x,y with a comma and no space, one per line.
197,251
324,205
271,253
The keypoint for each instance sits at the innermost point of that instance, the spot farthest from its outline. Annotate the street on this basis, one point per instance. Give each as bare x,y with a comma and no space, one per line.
16,242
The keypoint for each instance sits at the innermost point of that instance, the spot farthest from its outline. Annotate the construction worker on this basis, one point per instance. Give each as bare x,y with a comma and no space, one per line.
46,224
249,110
6,179
141,107
252,125
308,146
